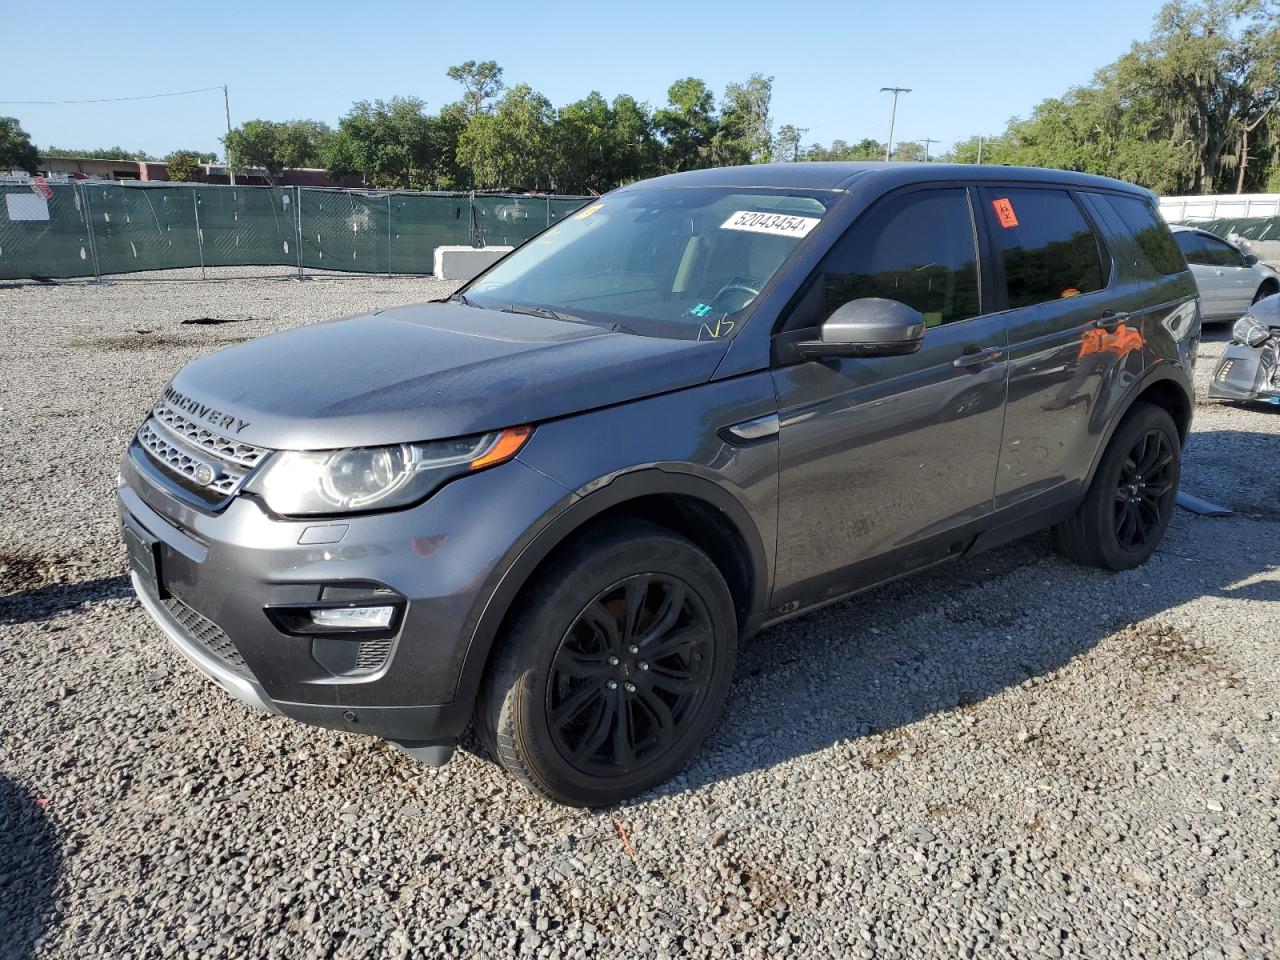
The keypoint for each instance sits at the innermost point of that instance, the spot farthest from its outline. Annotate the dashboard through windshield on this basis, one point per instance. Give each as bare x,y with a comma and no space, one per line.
674,262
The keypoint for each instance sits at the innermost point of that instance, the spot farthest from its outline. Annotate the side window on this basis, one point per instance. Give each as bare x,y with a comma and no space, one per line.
1192,246
917,249
1048,249
1149,232
1219,254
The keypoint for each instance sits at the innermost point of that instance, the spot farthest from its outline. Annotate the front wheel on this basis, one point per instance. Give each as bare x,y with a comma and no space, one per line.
615,669
1127,509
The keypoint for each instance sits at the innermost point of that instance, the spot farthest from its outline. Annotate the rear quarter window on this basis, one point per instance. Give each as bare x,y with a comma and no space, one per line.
1150,233
1048,250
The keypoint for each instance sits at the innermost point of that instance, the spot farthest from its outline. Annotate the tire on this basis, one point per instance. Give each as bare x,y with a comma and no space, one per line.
1266,290
574,710
1125,512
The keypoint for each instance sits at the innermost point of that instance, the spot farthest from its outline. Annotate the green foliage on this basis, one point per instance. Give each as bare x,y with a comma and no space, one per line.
599,145
511,147
182,165
481,83
16,149
1193,109
393,143
745,132
275,147
687,125
101,153
865,149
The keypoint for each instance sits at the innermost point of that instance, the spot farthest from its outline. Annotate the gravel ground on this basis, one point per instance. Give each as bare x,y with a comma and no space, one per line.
1013,757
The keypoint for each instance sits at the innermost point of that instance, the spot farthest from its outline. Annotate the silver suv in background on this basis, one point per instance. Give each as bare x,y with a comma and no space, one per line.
550,507
1229,279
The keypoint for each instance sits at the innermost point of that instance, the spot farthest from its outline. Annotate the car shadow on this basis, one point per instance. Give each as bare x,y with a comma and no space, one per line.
956,635
30,868
48,601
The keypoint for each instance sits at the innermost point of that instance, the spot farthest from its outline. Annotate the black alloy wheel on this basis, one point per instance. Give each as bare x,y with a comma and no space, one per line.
633,666
615,667
1146,484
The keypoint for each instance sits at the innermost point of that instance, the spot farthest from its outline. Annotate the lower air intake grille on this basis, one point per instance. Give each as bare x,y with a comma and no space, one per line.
207,634
373,654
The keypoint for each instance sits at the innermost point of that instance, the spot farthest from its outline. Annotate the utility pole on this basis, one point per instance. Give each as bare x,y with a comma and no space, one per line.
980,150
226,105
893,116
926,141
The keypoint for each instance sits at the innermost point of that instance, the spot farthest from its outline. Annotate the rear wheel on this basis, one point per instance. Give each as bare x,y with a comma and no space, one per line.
615,669
1129,504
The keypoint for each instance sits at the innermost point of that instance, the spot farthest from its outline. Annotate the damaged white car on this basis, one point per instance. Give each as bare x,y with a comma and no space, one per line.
1249,368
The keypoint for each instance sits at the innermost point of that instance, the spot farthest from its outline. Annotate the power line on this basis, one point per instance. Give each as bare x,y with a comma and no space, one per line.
149,96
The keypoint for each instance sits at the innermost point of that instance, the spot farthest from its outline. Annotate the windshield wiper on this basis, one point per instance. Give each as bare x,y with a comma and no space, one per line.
532,311
460,298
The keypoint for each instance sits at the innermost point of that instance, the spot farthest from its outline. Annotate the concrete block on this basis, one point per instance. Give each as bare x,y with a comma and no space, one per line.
463,263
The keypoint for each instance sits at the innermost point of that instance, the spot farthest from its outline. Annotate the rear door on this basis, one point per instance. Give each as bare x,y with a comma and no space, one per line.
1215,294
883,460
1070,339
1237,280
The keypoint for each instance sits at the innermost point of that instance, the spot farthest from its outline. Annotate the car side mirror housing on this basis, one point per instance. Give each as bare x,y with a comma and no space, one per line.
1250,259
870,327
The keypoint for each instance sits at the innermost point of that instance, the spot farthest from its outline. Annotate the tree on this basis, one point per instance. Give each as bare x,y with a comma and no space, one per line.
512,147
864,149
1183,111
100,153
687,125
745,134
787,144
182,165
275,147
599,145
17,152
481,84
391,143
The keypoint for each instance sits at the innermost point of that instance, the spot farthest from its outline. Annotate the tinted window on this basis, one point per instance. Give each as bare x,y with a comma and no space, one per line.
917,249
1191,245
1048,249
1219,254
1150,233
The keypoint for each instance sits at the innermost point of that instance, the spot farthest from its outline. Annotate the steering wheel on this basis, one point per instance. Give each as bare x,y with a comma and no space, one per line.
729,288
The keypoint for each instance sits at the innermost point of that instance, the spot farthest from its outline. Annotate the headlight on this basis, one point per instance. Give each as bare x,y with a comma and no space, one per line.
1249,331
296,483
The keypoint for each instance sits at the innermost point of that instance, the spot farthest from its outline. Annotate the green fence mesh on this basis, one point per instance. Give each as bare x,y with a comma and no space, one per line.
90,228
1247,228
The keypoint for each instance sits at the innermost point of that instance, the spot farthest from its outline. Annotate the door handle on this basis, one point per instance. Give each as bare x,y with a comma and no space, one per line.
976,356
1110,319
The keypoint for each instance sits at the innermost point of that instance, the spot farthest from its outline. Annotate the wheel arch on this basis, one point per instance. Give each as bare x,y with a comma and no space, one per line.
694,507
1163,387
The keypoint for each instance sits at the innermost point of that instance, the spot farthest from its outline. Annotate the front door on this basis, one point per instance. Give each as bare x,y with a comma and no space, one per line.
882,459
1235,278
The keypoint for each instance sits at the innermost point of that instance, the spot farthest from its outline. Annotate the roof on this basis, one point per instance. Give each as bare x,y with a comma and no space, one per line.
828,175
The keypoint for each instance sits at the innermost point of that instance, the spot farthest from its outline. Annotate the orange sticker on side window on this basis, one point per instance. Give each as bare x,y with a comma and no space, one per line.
1004,212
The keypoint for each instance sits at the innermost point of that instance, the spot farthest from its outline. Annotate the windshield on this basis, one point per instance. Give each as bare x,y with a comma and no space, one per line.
664,262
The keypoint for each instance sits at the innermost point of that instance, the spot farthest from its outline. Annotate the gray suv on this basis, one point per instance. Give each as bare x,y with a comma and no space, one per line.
549,508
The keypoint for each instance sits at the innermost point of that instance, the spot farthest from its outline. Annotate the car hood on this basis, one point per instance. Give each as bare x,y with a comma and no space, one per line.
425,372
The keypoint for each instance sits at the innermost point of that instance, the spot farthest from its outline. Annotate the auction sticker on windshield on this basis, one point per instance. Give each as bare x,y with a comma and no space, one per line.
778,224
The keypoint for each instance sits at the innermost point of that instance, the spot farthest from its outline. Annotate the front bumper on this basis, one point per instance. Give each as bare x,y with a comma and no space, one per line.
219,573
1247,373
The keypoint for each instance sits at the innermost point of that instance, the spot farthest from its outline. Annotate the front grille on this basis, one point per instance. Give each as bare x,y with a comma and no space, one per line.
205,633
210,465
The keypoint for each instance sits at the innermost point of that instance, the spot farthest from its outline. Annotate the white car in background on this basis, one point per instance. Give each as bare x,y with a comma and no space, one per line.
1229,279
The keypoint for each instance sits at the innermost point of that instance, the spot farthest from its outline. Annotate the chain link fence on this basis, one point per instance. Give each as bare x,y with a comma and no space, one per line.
94,229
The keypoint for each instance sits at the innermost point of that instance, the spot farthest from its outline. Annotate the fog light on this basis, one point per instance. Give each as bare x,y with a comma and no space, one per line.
352,618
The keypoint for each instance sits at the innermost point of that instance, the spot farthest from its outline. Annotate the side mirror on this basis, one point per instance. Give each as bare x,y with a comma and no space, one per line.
871,327
1250,259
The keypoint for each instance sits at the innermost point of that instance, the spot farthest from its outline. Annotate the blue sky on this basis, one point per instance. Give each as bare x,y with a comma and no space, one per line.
971,65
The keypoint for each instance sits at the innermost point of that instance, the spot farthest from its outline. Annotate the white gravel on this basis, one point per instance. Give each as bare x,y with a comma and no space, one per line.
1013,757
